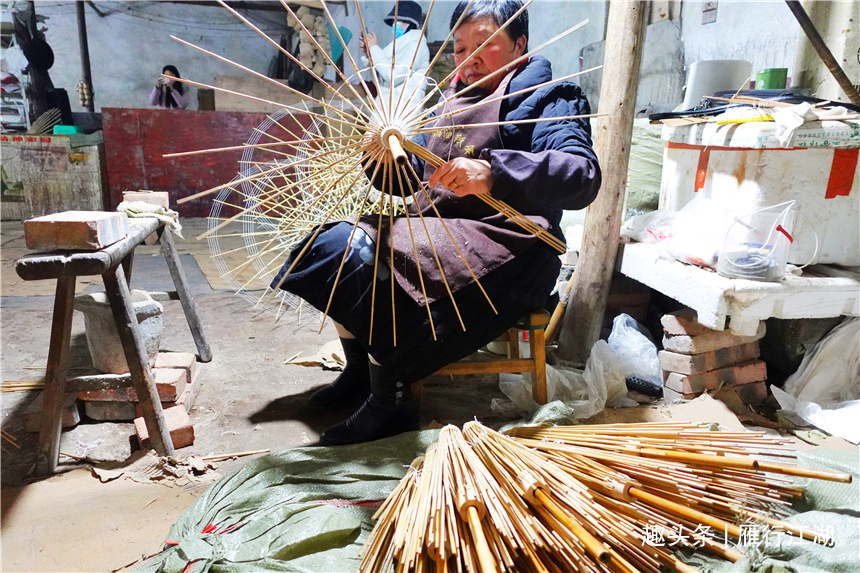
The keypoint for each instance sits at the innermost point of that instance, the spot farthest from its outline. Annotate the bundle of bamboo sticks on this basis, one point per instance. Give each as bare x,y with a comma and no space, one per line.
584,498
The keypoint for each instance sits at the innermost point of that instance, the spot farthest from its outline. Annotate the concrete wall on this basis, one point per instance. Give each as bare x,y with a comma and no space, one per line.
762,33
130,45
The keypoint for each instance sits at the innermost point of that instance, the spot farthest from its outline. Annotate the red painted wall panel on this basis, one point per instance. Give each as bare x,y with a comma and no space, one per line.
136,140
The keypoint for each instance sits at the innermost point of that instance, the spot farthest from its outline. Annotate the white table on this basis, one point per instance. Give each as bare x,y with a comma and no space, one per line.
822,291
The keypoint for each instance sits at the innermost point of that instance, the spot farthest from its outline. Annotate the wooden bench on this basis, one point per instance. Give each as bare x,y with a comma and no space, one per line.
114,263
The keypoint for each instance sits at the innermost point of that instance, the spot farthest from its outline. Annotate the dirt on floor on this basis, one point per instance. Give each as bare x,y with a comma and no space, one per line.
250,400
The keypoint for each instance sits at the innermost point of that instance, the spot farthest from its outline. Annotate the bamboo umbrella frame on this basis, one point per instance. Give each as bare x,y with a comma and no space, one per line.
551,499
291,183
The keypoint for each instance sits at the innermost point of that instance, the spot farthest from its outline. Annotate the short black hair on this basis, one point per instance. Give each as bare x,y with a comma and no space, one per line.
500,11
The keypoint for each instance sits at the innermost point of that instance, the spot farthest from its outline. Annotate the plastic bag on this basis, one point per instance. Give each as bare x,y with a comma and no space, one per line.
825,390
694,234
635,351
605,374
562,383
586,392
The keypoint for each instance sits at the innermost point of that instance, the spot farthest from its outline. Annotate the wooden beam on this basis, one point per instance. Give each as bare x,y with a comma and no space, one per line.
625,40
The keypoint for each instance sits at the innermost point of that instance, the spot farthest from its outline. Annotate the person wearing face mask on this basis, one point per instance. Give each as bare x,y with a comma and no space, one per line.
538,168
406,86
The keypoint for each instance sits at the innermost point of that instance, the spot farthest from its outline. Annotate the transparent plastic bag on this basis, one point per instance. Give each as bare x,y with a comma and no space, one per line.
586,392
605,374
692,235
635,351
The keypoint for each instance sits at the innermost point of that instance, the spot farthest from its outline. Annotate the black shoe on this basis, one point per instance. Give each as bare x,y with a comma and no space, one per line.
389,411
376,419
352,385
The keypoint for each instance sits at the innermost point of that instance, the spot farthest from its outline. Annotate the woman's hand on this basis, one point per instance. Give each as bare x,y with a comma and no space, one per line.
464,176
369,41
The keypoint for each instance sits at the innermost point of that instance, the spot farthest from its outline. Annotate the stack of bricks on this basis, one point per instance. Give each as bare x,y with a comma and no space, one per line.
177,380
697,359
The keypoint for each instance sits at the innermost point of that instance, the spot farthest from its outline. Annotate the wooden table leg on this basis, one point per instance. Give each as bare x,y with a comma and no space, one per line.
537,343
185,296
50,427
137,360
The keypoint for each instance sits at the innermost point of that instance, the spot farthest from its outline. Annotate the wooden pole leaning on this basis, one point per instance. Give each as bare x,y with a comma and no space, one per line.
142,379
584,315
177,273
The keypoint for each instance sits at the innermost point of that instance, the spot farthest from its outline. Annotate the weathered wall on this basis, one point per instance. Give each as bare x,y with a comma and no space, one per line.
130,45
763,33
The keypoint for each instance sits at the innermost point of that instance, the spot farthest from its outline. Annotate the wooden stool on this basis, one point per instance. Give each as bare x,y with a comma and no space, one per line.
114,264
535,323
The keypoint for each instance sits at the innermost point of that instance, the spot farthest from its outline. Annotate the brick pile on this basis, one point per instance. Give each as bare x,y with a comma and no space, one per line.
177,380
697,359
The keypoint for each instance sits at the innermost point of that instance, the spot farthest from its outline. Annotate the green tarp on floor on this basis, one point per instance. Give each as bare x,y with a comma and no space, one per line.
309,510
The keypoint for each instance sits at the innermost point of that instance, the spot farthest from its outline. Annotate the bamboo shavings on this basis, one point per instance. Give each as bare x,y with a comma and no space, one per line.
22,385
583,498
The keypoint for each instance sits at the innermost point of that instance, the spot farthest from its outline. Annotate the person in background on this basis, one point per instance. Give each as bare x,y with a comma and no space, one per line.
406,31
168,94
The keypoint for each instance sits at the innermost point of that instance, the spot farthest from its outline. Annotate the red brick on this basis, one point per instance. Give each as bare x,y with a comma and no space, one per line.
170,382
161,198
696,363
184,360
178,423
75,230
684,321
737,375
186,399
32,416
670,395
715,340
752,394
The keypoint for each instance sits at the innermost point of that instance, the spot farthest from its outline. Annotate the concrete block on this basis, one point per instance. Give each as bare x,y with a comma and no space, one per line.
103,340
32,416
670,395
737,375
186,399
684,321
160,198
696,363
178,423
715,340
75,230
110,411
170,382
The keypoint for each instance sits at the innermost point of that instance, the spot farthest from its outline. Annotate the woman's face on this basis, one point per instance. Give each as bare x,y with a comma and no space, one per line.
168,73
498,54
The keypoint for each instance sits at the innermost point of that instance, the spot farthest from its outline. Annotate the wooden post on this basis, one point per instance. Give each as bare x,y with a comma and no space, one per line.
85,54
625,39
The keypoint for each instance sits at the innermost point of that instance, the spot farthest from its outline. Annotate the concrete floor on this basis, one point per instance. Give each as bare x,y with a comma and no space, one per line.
250,400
